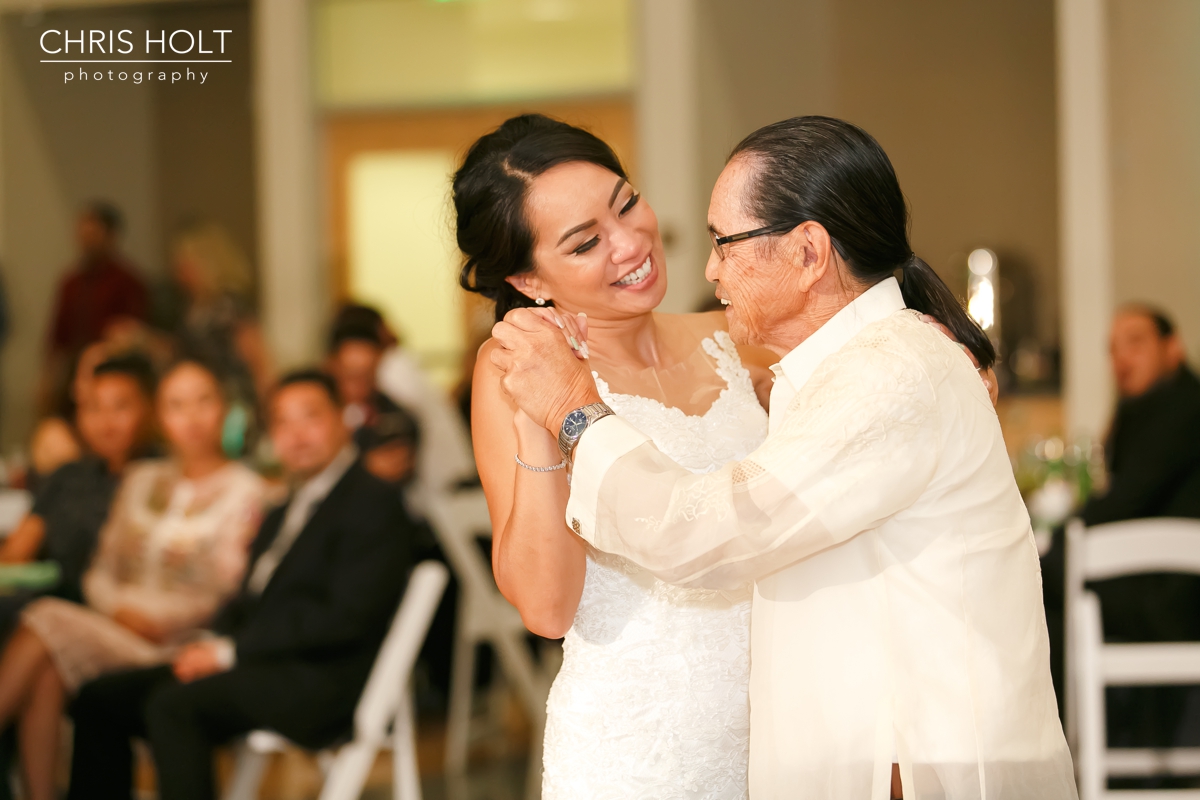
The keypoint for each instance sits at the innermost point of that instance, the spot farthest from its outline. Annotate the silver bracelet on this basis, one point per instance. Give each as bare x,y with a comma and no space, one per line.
560,465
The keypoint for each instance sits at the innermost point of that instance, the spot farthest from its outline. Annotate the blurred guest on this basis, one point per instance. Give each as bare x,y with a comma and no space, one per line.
292,651
103,290
54,442
384,432
218,324
56,439
73,502
445,457
173,549
389,446
1153,455
1153,447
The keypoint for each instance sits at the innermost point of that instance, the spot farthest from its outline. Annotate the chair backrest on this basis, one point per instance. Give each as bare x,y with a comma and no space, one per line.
1163,544
458,519
389,676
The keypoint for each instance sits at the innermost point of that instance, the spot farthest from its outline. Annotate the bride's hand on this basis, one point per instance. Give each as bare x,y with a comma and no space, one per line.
988,376
574,328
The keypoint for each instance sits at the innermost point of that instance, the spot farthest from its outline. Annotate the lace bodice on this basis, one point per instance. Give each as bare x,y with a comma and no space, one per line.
652,698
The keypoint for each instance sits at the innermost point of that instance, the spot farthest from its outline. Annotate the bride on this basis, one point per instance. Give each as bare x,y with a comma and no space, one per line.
652,697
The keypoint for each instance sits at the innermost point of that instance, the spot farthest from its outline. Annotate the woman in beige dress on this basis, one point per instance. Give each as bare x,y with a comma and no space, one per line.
173,549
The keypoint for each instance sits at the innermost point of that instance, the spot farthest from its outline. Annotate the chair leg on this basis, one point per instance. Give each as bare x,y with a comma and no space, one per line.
247,774
348,775
1093,774
462,679
406,780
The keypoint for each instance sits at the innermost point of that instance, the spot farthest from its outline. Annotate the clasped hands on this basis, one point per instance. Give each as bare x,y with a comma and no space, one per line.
543,354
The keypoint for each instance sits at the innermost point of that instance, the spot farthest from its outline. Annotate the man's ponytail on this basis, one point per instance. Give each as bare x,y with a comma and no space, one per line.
835,173
925,291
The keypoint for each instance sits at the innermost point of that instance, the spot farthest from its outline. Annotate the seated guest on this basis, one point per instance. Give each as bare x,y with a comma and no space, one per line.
1153,447
72,503
445,459
114,421
292,650
385,433
1153,455
173,549
56,439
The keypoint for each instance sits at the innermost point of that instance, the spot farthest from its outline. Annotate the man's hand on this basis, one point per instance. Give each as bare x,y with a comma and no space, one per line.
541,372
196,661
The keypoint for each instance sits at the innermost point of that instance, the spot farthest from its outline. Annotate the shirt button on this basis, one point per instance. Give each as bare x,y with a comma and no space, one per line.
575,526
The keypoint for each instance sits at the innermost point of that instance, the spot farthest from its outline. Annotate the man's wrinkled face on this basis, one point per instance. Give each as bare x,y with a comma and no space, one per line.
757,280
1141,356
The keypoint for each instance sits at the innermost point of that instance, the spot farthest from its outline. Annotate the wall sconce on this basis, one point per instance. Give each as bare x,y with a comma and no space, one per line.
983,296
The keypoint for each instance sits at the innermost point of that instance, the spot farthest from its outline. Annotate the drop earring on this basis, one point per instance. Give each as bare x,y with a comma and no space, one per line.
540,301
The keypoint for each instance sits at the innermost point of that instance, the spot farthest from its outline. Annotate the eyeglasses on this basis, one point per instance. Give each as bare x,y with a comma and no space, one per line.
720,243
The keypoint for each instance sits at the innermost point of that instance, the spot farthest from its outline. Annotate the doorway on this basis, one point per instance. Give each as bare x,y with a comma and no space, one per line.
391,225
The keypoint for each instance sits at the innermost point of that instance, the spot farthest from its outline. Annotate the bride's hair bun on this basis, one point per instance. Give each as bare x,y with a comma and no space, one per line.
489,199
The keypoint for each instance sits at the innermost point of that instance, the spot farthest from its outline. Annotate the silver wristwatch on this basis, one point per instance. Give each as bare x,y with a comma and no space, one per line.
576,423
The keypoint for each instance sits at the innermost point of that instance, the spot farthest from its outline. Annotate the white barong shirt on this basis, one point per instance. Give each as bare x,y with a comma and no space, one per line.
897,601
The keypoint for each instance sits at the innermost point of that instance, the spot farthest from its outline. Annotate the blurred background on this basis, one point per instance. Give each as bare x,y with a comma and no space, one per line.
323,150
1049,149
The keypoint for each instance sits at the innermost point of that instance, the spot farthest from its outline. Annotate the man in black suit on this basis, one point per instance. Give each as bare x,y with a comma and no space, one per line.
292,650
1153,447
1153,454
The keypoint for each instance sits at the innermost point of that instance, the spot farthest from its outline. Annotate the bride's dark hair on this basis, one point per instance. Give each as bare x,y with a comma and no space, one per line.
835,173
489,198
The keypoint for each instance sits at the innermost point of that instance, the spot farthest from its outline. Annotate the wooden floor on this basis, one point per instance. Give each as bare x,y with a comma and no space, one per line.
497,765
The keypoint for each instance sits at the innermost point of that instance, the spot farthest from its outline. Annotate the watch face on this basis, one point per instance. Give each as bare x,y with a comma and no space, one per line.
575,424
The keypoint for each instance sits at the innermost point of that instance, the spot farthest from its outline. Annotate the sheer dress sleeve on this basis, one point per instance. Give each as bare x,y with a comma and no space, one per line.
844,459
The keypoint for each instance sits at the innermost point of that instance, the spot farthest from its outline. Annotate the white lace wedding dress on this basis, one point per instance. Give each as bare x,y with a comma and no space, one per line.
652,699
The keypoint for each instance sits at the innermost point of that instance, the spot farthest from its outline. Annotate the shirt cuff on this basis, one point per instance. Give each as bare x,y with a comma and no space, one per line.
604,441
225,651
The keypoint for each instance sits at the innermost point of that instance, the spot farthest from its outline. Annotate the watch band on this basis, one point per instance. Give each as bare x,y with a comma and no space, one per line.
575,423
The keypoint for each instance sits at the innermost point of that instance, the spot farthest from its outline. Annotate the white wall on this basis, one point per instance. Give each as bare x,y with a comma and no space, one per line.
163,154
1154,73
62,145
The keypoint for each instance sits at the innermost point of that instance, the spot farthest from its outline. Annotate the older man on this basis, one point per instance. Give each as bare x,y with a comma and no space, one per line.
899,644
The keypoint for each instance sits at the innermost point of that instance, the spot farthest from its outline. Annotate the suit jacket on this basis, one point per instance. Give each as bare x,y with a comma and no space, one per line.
322,617
1153,455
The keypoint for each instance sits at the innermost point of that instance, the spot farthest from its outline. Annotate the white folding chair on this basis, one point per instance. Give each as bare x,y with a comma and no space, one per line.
1110,551
484,616
386,704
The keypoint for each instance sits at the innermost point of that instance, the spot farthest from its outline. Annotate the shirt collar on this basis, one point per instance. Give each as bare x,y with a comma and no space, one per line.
881,300
318,487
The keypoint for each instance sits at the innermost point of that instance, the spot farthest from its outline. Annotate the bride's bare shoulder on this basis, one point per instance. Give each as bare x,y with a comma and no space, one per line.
487,375
487,396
